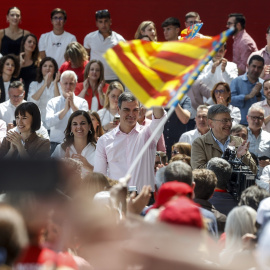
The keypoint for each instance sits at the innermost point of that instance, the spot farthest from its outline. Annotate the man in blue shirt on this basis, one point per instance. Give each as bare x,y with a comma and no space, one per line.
247,89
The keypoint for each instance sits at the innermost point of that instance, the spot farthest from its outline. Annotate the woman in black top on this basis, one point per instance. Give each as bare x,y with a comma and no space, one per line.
11,37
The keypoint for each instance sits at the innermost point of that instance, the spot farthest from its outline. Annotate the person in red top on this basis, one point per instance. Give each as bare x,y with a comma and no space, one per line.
93,88
76,59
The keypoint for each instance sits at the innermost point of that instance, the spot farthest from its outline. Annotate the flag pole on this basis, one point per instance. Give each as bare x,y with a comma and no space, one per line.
149,141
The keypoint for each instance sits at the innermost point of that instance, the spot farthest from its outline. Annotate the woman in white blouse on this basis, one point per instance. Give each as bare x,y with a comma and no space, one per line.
46,87
221,94
108,113
79,142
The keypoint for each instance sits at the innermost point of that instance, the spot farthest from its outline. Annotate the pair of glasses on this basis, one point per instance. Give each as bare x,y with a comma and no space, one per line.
203,117
219,91
19,96
259,118
230,23
58,19
225,120
102,12
192,22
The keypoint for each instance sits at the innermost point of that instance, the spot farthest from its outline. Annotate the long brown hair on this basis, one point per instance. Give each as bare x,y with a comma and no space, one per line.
35,53
99,129
226,86
69,139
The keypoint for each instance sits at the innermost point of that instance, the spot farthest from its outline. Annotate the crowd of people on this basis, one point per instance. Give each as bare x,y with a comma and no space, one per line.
123,187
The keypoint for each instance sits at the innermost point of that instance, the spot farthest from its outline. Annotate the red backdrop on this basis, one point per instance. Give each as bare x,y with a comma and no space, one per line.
127,15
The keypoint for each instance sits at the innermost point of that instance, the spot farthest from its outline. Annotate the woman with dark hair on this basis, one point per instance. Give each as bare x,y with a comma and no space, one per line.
96,124
79,142
29,61
9,70
23,141
11,37
46,87
221,94
93,88
76,59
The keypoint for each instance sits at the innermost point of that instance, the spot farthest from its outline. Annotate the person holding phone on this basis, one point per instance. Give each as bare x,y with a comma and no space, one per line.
108,115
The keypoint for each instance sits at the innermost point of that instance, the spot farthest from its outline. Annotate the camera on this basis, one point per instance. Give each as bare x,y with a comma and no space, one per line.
242,177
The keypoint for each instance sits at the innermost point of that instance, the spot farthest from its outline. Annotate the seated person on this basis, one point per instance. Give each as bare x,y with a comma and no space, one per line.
217,139
201,126
24,142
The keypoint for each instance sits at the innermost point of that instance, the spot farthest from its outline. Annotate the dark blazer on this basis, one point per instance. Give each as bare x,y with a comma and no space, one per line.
2,89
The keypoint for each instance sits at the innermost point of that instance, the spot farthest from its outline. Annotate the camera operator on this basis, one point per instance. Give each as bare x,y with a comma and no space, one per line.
217,139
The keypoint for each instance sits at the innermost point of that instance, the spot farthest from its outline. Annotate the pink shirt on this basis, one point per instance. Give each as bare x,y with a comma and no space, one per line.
116,151
243,46
161,142
266,113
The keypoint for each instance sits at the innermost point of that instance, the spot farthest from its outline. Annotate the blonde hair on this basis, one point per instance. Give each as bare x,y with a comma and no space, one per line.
112,86
76,53
142,27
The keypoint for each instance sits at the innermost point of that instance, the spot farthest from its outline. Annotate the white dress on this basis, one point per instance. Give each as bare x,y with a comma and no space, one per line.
88,152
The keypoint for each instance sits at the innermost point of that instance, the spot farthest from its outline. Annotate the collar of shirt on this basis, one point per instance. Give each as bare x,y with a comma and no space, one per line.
220,144
137,128
239,35
264,103
251,134
245,78
102,37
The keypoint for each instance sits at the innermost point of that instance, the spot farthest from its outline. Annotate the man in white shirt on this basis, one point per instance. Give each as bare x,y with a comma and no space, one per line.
218,70
259,139
201,126
60,108
7,109
54,43
98,42
117,149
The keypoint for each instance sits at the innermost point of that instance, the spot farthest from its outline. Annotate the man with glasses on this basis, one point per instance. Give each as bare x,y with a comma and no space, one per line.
54,43
265,104
265,54
201,126
7,109
259,139
217,139
98,42
243,44
218,70
247,89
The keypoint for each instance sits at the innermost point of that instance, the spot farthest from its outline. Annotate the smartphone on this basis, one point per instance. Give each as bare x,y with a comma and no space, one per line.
116,119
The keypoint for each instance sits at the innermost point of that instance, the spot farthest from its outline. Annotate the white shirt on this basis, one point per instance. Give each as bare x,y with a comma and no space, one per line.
3,130
116,152
47,94
210,79
55,45
98,46
88,152
259,146
264,178
235,114
6,85
105,116
7,111
53,109
190,136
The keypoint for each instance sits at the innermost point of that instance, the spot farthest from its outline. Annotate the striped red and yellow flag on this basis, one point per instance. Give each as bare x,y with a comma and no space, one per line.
160,73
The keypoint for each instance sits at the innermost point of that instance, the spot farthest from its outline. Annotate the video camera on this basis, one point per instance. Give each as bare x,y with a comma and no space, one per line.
242,177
